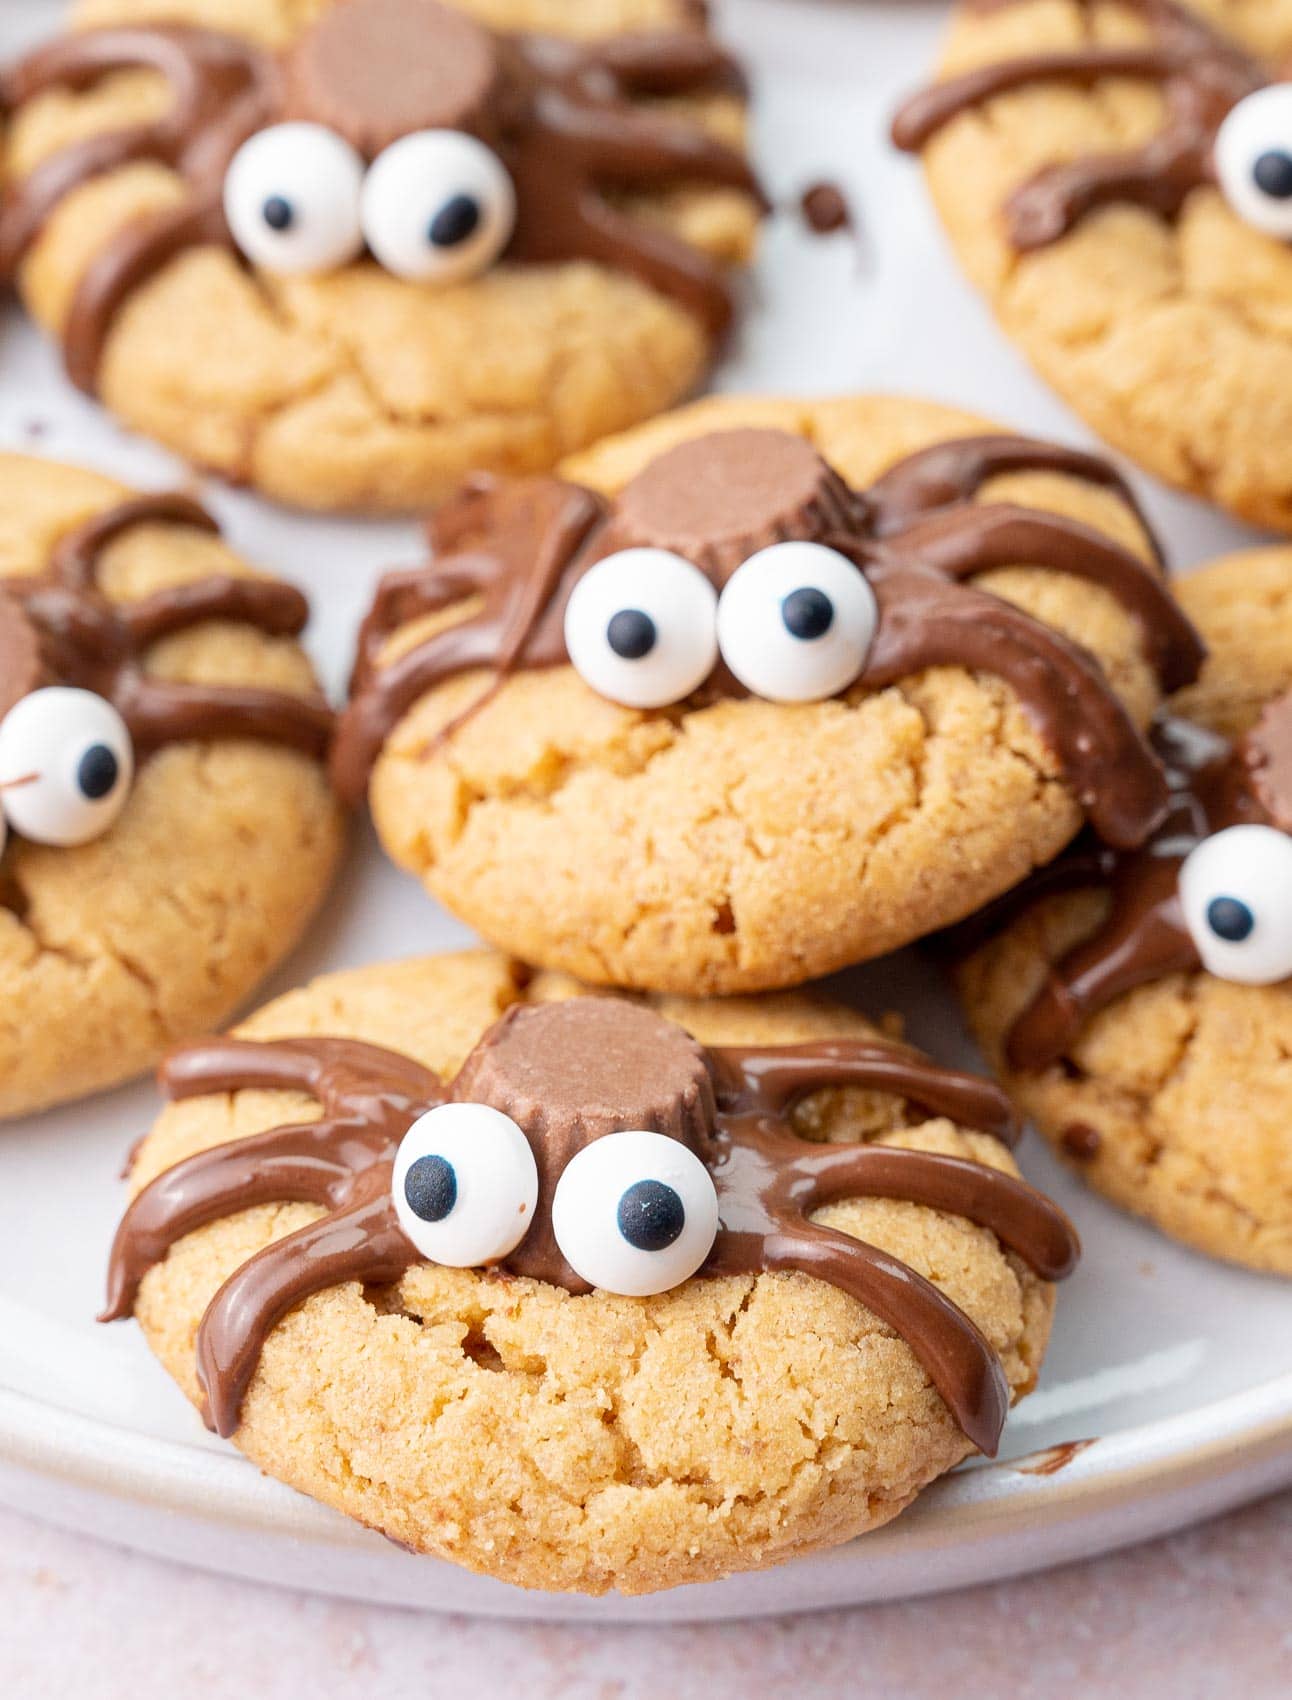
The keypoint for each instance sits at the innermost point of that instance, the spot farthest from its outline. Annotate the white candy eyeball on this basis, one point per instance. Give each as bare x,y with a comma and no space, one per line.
66,763
438,207
1236,892
639,628
291,198
635,1213
796,622
1253,156
465,1185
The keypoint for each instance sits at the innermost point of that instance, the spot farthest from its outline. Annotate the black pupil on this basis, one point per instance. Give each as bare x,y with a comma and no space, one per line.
1230,919
431,1188
807,613
97,772
455,222
631,634
277,213
650,1215
1272,173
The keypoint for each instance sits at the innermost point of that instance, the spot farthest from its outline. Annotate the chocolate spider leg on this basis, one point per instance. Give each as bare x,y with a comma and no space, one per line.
268,605
23,219
73,625
667,62
76,62
647,150
957,1359
363,1243
494,639
962,544
926,621
159,711
236,1065
309,1163
411,593
954,471
1090,864
75,558
135,255
331,1070
772,1080
1159,176
1138,944
921,116
658,258
1019,1216
365,725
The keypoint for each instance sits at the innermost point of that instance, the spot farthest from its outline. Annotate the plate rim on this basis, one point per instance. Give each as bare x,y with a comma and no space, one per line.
1134,1483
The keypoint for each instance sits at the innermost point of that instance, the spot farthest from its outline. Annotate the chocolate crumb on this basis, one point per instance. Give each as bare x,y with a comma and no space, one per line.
825,209
1082,1142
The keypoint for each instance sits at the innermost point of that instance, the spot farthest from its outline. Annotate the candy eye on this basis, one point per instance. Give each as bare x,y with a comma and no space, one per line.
1236,892
66,762
291,198
438,207
639,628
795,622
465,1185
635,1213
1254,159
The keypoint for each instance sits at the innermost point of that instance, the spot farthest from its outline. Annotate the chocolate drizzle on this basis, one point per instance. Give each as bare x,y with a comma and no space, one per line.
1202,77
569,120
917,534
1214,785
69,633
570,1073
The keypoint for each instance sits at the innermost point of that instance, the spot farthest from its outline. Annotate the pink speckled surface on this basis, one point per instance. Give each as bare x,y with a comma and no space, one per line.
1204,1614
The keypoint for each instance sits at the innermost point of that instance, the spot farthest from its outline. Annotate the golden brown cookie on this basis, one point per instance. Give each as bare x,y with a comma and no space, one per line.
166,826
731,809
1115,177
1139,1007
347,253
532,1295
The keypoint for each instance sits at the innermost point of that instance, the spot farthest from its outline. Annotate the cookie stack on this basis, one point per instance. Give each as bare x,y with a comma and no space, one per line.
616,1254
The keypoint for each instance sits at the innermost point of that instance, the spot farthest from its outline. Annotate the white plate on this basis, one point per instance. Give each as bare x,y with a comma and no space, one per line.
1178,1371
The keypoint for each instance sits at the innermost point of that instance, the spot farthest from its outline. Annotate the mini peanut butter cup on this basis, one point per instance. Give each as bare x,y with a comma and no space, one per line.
720,499
1267,752
568,1073
391,67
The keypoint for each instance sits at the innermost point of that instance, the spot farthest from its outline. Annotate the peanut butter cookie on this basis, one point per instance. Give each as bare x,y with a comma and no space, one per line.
166,826
348,252
763,689
1139,1006
586,1292
1116,177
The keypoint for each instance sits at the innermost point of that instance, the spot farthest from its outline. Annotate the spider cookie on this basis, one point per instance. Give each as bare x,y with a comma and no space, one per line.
1139,1006
762,690
1116,178
166,826
583,1292
348,252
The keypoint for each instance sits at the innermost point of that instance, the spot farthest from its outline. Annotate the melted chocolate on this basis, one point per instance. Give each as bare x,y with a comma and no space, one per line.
825,209
1202,76
1213,785
568,1074
569,120
917,535
68,632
